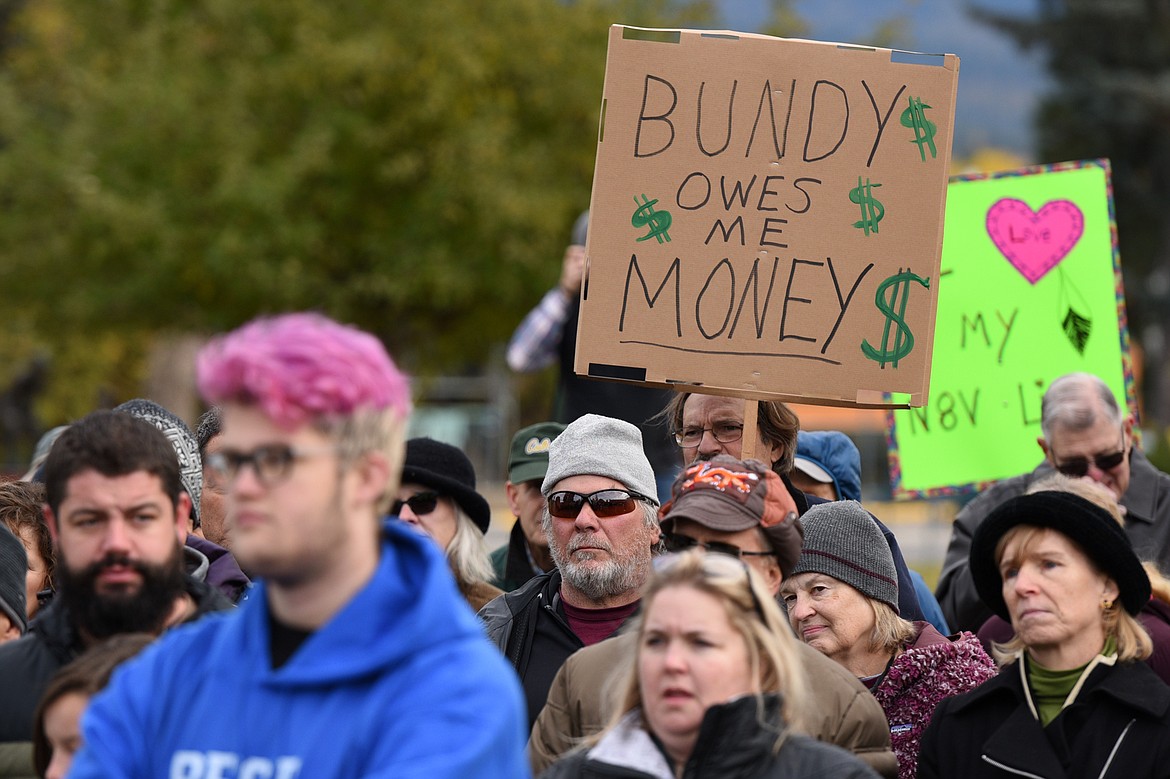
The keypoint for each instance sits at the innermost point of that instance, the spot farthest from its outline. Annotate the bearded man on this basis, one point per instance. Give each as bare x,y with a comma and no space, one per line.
601,521
116,510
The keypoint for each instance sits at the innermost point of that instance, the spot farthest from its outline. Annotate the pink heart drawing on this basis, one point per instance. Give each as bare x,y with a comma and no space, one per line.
1035,242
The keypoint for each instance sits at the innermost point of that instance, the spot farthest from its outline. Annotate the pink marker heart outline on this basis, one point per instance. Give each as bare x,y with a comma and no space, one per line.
1034,242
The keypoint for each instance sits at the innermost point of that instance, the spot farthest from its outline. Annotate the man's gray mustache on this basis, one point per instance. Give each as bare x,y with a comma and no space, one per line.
595,542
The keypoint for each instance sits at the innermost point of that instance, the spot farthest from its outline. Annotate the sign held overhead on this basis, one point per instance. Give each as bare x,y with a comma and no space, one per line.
766,218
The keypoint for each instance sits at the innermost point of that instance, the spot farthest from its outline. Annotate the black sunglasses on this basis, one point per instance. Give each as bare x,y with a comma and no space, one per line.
605,503
1079,466
420,503
676,542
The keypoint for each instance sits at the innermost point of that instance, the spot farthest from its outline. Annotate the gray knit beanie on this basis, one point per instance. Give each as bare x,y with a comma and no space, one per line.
600,446
182,440
842,540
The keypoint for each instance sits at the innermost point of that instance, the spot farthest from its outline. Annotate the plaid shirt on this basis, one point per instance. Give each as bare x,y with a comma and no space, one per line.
534,344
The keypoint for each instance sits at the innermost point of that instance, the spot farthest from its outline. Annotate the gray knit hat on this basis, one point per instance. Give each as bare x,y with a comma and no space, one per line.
600,446
182,440
842,540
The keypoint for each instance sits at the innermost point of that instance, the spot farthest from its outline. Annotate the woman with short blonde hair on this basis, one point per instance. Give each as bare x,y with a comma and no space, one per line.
715,687
1073,698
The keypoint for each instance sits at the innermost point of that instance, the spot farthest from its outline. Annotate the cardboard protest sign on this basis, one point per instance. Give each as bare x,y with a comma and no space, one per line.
766,218
1030,289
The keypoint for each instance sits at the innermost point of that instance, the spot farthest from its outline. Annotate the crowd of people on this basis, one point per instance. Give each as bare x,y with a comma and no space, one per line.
297,590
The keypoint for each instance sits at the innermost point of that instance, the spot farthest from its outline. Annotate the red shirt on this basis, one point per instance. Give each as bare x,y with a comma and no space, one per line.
593,625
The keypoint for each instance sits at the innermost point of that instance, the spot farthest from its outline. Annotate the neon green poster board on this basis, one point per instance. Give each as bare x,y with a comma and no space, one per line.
1029,289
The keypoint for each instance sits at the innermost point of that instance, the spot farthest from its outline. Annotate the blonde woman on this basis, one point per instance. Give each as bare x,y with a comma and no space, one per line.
1074,698
710,640
1155,613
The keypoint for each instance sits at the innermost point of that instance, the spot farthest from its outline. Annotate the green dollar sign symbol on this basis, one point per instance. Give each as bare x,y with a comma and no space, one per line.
872,210
899,286
915,117
657,221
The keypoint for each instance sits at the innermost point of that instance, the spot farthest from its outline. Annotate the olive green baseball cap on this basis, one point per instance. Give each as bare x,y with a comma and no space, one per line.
528,455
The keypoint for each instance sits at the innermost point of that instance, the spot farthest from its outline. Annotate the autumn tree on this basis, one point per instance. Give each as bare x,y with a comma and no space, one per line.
411,167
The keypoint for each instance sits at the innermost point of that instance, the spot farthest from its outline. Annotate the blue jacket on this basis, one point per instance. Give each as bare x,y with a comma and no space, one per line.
400,683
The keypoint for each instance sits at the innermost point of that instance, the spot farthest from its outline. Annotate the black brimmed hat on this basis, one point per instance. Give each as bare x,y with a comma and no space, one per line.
448,471
1085,524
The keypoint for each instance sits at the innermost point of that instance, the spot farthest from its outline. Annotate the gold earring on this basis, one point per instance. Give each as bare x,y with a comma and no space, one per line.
1106,604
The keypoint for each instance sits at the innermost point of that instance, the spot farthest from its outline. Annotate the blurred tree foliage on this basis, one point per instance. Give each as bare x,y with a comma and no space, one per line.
184,165
411,167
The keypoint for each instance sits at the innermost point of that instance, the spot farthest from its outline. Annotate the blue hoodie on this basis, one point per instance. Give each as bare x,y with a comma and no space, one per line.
400,683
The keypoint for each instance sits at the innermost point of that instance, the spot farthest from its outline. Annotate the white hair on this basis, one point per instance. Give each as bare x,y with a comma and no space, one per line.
1074,401
467,553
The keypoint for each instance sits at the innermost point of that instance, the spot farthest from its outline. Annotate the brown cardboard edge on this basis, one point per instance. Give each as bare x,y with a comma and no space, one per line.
870,399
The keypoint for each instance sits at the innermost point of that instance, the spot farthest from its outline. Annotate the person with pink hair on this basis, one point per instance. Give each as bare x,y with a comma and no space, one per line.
354,655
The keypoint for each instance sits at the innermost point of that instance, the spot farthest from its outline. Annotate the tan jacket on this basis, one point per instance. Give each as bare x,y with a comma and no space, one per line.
16,760
843,712
478,594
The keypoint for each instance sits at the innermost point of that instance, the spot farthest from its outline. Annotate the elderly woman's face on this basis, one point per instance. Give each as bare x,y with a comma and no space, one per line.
830,616
1053,594
439,522
690,658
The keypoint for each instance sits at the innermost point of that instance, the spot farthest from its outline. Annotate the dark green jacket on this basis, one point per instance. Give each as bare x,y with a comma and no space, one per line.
510,562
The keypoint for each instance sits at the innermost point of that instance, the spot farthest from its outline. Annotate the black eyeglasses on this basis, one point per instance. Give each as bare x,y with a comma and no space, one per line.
271,463
723,432
676,542
1079,466
605,503
420,503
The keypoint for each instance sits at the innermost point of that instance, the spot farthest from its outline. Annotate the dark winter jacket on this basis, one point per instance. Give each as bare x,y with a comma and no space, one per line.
1118,726
223,572
731,744
932,668
27,664
1147,523
529,627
